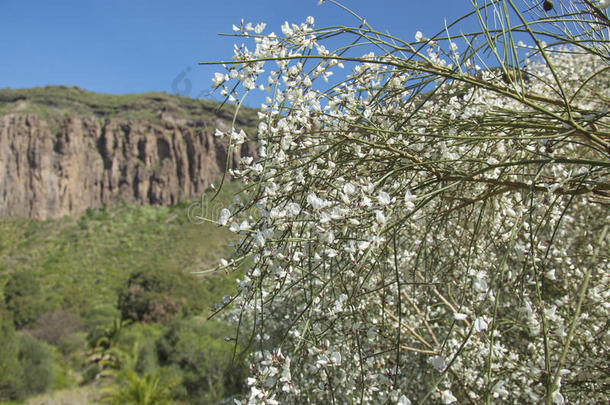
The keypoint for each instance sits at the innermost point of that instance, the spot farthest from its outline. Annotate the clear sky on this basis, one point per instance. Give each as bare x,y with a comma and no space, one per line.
132,46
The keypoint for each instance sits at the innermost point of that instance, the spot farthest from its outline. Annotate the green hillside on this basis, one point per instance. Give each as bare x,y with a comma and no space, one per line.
55,101
117,282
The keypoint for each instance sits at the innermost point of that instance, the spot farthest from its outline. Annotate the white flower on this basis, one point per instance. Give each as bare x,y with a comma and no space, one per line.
380,217
234,227
558,398
276,213
349,188
603,4
286,30
447,397
419,36
219,79
499,390
384,198
325,217
224,217
363,245
403,400
238,137
480,285
255,392
244,226
249,84
259,239
409,198
459,317
315,202
480,325
293,209
335,357
438,363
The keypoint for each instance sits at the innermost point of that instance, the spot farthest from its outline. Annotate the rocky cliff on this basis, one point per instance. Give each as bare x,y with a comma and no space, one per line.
63,150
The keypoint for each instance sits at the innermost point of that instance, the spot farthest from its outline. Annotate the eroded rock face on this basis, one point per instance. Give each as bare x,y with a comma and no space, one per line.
55,167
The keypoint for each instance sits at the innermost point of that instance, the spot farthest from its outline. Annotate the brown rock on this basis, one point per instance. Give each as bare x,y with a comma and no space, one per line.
59,164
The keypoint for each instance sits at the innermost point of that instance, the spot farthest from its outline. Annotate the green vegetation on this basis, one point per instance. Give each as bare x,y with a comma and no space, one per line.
207,368
23,299
54,102
9,361
106,307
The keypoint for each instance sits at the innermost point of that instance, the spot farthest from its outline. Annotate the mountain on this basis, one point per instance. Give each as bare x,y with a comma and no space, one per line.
64,149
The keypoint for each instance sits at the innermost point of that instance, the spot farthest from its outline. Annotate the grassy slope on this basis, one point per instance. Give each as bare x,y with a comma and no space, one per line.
53,102
88,258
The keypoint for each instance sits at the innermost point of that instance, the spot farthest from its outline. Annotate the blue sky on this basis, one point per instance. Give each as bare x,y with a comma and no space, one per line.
132,46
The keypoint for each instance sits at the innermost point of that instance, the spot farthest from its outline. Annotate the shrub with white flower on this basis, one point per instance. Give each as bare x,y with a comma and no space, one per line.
430,227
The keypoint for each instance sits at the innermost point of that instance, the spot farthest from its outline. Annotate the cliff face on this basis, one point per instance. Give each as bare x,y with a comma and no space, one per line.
57,161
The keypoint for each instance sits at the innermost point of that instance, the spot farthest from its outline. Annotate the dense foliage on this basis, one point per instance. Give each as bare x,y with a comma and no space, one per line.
157,294
22,298
425,229
73,329
210,373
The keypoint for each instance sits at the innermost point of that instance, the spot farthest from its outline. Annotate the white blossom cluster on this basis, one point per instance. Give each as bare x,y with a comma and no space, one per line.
423,230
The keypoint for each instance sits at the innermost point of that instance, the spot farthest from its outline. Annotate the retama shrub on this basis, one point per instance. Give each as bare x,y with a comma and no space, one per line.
426,218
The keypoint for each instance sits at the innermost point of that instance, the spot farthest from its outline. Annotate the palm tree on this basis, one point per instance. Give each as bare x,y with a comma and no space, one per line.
140,390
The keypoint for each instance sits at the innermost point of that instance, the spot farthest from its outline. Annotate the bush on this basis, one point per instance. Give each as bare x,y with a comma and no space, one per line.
98,320
53,327
10,368
140,339
73,348
74,298
204,358
135,389
23,298
37,361
156,295
419,227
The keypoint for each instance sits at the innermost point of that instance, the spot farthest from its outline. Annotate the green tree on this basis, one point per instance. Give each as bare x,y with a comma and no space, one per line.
98,320
37,362
156,295
140,390
210,373
10,368
23,298
134,382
